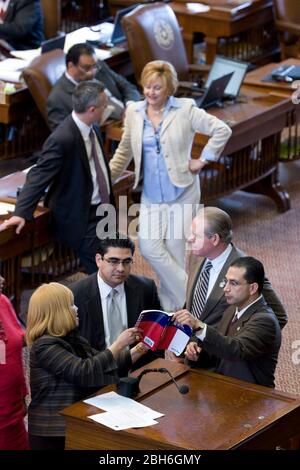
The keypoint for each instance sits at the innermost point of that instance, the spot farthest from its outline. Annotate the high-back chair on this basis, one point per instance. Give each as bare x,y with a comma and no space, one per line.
153,33
52,17
287,23
40,76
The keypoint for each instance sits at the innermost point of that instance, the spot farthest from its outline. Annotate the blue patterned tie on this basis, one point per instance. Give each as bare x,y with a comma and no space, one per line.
199,299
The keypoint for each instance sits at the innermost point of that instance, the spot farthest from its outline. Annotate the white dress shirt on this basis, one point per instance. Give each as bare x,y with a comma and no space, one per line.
217,265
105,290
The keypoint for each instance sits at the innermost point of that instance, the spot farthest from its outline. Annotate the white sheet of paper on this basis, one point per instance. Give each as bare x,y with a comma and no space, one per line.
111,401
5,208
197,7
101,32
122,420
28,54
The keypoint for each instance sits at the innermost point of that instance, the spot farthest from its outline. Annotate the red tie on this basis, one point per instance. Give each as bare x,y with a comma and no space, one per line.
102,186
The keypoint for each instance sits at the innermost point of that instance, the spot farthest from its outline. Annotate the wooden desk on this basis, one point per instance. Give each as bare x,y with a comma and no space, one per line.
243,30
290,148
250,159
218,413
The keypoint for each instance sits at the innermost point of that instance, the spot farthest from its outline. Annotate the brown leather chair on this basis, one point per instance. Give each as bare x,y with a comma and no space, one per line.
52,17
41,75
287,22
153,33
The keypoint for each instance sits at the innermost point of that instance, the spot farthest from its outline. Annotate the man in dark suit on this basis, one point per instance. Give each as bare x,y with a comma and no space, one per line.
210,241
23,25
77,178
246,343
82,64
114,257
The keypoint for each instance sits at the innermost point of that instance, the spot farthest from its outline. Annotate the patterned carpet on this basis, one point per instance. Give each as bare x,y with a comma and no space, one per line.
274,239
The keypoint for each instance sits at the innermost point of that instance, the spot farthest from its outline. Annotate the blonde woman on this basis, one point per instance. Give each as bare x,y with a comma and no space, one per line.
64,368
158,135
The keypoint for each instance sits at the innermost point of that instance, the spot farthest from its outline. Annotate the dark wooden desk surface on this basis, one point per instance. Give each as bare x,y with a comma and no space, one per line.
218,413
254,78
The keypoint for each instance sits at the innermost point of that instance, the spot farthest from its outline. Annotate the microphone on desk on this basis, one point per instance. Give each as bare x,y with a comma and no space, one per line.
129,386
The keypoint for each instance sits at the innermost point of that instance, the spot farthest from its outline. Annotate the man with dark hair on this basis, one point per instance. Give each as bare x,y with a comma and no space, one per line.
73,168
21,23
92,295
246,343
82,64
212,254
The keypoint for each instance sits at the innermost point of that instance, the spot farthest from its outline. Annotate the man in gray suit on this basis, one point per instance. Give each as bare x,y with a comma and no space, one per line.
82,64
114,258
210,241
246,343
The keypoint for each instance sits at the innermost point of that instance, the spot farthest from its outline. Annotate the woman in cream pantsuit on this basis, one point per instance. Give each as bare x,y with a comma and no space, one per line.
158,134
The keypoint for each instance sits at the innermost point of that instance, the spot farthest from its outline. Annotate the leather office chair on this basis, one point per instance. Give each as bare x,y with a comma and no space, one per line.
287,23
153,33
52,17
40,76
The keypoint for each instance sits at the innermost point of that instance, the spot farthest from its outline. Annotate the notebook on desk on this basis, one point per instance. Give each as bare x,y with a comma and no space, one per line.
214,94
224,65
55,43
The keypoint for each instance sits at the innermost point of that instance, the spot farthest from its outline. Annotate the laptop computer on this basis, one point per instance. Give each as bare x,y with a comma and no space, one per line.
214,94
224,65
118,35
55,43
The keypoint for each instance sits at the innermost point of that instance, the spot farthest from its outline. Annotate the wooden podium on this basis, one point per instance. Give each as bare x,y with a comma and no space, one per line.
218,413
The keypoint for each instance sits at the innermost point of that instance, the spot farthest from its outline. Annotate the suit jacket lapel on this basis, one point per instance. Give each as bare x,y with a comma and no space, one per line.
194,274
168,119
131,302
217,292
81,146
94,306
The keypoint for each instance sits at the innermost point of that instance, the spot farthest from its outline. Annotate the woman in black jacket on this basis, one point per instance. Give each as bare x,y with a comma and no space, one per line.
64,368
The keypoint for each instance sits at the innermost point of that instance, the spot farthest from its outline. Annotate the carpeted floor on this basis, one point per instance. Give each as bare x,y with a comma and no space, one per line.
274,239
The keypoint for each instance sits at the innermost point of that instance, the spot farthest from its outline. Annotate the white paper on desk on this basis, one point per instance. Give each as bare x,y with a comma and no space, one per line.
102,54
101,32
111,401
197,7
123,419
28,54
11,69
5,208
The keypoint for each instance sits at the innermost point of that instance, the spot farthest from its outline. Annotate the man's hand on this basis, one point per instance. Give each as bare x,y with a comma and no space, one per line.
192,351
15,220
184,317
196,165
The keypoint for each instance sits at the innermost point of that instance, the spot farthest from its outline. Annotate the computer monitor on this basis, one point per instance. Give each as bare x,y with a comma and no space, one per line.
215,92
224,65
55,43
118,35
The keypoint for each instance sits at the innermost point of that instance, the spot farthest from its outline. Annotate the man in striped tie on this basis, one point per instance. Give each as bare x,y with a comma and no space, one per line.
212,252
246,343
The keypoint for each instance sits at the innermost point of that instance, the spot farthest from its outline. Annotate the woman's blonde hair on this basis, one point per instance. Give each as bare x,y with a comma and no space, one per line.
50,312
161,69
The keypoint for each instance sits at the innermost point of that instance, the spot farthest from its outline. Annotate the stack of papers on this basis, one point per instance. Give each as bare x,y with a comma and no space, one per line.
11,69
5,208
121,412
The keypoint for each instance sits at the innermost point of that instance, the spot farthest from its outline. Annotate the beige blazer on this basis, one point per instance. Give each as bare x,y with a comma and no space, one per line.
177,134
